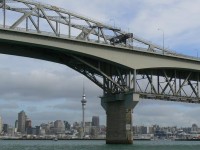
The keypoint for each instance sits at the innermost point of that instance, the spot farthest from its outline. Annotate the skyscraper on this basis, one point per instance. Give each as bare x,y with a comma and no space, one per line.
16,125
28,126
83,101
95,121
21,122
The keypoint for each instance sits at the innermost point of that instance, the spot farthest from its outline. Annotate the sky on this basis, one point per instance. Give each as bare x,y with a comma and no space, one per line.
48,91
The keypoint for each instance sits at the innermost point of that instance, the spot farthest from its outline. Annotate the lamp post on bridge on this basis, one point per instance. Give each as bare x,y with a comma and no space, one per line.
163,39
4,13
197,53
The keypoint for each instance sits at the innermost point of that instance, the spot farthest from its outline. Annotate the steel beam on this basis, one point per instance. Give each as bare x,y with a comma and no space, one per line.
52,27
20,20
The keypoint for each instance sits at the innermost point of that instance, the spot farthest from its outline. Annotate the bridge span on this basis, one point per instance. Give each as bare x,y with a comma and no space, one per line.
104,54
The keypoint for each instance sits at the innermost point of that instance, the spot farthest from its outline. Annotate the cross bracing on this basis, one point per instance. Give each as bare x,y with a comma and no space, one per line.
160,83
36,17
169,84
156,83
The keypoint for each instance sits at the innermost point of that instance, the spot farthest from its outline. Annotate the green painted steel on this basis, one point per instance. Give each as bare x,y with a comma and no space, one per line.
16,42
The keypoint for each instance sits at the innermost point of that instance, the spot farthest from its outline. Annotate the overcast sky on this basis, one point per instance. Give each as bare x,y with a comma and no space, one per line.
47,91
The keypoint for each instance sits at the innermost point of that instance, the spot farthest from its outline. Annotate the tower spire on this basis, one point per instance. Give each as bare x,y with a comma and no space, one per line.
83,87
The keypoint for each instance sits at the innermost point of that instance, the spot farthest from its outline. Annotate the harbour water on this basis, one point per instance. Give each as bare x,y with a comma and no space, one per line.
96,145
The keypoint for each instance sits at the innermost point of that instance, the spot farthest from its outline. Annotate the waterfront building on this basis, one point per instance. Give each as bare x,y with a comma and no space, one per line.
46,128
187,130
11,131
34,131
42,131
59,127
5,128
94,132
88,128
16,126
194,129
67,125
21,122
150,130
28,126
140,130
95,121
37,128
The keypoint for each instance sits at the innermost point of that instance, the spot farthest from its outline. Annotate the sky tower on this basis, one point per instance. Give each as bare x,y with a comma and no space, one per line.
83,101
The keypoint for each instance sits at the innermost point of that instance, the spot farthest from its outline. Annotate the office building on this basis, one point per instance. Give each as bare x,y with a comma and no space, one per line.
21,122
5,128
95,121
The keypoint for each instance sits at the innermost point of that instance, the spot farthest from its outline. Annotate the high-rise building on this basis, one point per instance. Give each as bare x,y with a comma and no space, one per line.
16,125
37,130
28,123
21,122
95,121
1,124
28,126
5,128
59,127
67,125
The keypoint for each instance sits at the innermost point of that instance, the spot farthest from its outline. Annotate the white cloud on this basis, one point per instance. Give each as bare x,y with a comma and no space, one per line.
36,82
178,19
149,112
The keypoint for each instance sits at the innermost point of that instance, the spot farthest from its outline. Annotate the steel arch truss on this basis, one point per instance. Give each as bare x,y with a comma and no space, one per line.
169,84
54,21
164,84
112,78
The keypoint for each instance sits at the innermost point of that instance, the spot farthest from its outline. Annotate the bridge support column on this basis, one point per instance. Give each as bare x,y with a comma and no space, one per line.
119,117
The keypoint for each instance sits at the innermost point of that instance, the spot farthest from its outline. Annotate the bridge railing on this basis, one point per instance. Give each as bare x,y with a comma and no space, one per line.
106,34
130,47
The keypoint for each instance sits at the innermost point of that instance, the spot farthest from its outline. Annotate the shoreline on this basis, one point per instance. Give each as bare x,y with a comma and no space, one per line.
46,139
10,139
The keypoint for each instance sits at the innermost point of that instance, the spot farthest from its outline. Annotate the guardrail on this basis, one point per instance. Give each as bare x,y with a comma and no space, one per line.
64,36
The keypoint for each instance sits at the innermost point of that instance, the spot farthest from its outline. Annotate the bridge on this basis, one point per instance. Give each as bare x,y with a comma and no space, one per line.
124,65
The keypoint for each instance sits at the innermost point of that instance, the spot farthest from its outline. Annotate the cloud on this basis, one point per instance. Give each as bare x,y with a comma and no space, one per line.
8,106
49,91
171,17
149,112
43,85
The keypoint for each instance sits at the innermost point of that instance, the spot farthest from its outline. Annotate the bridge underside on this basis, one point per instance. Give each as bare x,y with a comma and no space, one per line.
122,86
104,54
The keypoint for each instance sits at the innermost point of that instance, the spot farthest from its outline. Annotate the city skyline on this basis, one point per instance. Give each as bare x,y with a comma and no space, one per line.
47,90
23,121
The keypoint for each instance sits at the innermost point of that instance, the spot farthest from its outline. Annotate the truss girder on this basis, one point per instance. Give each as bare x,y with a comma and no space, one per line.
22,18
172,84
111,78
86,27
164,84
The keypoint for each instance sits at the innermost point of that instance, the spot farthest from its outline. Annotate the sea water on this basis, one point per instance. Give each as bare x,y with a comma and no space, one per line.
96,145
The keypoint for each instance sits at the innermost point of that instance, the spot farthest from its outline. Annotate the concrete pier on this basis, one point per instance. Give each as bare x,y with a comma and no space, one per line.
119,117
